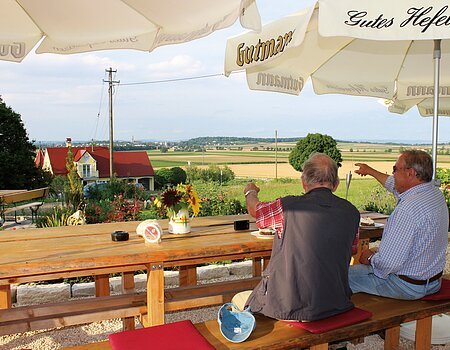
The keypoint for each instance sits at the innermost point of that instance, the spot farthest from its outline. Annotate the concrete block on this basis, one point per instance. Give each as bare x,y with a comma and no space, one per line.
28,294
242,268
212,271
115,284
83,290
171,278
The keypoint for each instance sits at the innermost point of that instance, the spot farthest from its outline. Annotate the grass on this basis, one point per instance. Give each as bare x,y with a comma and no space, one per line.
358,194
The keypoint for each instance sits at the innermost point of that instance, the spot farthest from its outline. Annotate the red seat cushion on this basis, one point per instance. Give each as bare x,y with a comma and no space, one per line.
347,318
443,294
171,336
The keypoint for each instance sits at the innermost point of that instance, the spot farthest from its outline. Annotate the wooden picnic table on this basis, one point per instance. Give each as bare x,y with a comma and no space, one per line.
62,252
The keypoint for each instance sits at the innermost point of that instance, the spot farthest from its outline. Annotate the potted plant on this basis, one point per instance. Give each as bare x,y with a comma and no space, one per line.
178,202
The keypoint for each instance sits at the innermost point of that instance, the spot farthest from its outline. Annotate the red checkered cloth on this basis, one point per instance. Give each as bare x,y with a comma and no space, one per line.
270,214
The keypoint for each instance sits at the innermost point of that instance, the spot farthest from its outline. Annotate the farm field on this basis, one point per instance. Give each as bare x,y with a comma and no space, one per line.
258,160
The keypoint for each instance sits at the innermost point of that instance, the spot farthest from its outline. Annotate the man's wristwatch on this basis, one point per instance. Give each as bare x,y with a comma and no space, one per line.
248,192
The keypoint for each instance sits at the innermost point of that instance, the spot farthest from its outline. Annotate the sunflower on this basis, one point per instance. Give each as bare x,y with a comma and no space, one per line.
175,198
171,197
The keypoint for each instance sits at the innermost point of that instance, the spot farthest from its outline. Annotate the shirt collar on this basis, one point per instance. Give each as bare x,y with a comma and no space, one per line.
416,189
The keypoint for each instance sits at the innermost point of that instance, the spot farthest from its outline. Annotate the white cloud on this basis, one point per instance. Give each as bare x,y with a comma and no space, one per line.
178,65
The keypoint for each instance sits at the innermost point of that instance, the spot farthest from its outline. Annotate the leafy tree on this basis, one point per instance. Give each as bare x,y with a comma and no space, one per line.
314,143
172,176
17,154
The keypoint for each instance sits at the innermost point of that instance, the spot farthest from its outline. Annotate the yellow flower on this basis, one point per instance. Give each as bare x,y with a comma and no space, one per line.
157,202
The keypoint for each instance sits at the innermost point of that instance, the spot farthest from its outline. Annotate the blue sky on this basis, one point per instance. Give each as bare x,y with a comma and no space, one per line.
64,96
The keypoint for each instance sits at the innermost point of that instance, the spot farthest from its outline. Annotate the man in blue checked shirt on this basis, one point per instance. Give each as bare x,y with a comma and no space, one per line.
411,256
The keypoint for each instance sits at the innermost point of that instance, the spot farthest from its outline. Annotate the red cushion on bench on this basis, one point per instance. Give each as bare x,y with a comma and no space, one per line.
171,336
347,318
443,294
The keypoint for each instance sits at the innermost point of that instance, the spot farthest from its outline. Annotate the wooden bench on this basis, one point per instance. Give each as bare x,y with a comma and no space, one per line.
388,315
21,197
76,312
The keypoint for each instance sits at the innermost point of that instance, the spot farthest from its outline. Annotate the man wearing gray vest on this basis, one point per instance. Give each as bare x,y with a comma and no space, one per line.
307,276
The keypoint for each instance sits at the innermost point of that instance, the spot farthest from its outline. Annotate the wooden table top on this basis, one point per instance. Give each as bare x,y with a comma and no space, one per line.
89,247
70,249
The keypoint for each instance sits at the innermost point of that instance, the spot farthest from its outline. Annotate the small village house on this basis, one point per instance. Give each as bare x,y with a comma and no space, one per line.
93,164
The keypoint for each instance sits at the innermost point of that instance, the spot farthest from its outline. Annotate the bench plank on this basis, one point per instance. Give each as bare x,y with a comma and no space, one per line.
388,314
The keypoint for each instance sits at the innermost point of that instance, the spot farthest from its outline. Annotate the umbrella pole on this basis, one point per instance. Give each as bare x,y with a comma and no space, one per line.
437,62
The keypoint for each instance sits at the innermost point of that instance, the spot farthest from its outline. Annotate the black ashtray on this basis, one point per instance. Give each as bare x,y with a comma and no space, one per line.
118,236
241,225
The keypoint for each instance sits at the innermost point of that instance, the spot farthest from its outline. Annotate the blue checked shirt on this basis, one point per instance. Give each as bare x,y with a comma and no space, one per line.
415,237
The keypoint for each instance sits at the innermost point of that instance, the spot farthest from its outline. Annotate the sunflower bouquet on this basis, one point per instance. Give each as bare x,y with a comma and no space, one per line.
179,198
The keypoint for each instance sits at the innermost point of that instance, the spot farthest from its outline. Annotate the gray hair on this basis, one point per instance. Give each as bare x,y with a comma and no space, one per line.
319,168
421,162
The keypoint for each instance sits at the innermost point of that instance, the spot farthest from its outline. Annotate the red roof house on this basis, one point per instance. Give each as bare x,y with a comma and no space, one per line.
93,164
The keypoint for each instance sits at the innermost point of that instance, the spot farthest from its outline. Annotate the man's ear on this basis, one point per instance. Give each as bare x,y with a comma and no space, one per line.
336,186
305,185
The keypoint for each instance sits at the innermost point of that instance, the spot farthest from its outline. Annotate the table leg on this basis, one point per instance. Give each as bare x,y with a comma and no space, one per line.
155,294
188,276
423,333
5,297
127,288
392,338
362,244
102,285
256,267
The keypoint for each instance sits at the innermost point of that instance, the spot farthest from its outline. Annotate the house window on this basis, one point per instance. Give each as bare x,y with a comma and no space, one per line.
86,170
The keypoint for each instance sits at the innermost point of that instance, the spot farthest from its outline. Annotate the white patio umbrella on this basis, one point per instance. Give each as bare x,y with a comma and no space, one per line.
74,26
384,49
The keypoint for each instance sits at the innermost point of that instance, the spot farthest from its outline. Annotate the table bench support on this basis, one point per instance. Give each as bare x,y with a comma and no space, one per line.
392,338
128,288
5,297
155,294
423,333
102,285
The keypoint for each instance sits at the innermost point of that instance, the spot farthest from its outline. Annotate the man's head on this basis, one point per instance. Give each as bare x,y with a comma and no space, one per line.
319,170
412,168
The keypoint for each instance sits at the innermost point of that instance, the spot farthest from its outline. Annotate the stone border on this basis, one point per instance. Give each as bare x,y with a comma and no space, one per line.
33,294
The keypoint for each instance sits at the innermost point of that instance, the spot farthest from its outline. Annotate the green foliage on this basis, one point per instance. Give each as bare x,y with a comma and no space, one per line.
443,175
380,201
74,186
314,143
169,177
58,184
110,190
117,210
17,154
215,173
59,217
215,202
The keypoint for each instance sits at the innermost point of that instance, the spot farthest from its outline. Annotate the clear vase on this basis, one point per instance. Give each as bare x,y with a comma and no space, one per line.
180,222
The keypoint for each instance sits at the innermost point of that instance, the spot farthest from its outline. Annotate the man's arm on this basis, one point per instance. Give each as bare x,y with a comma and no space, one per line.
364,170
251,198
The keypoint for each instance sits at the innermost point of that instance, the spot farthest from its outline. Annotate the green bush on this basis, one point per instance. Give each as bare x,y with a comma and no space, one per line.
57,218
169,177
213,173
443,175
380,201
314,143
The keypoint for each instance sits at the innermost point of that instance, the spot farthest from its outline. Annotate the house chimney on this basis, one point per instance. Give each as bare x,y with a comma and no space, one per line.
68,142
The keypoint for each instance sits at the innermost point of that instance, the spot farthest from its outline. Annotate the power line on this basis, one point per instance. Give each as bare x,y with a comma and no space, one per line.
175,79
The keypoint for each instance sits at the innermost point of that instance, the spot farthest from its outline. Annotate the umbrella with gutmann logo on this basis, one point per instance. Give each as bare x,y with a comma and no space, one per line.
74,26
384,49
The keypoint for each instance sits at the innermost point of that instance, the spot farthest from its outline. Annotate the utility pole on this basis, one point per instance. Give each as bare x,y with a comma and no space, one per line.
111,125
276,155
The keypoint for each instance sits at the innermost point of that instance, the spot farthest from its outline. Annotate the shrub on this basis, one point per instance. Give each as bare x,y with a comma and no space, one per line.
213,173
314,143
169,177
380,201
59,217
